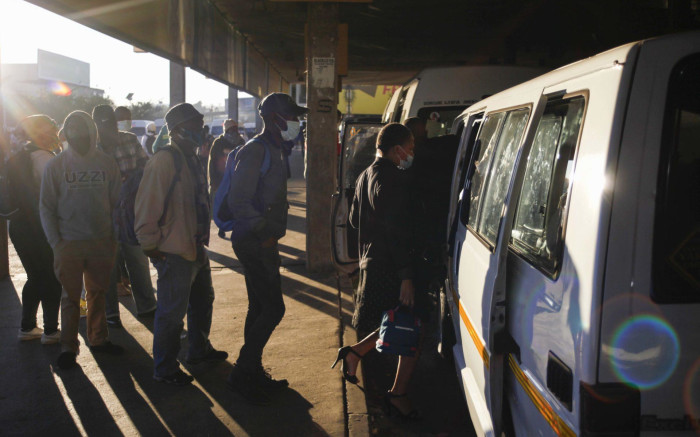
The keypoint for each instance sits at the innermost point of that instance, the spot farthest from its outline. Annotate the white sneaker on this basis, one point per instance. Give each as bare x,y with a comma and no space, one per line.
30,335
51,338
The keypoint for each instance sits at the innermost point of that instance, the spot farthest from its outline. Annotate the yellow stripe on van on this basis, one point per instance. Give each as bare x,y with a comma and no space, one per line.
546,410
480,346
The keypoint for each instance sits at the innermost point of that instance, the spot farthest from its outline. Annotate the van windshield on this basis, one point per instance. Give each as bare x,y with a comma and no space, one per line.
439,119
138,131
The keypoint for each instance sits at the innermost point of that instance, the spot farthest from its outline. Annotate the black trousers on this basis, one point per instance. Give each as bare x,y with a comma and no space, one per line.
261,267
41,287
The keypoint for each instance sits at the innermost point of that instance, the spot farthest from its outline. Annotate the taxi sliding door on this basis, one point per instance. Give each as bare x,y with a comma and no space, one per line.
357,153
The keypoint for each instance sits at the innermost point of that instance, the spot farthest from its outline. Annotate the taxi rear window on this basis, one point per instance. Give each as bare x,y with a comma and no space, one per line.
676,262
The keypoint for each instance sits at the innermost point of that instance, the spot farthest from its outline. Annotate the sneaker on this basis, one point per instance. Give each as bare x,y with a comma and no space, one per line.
66,360
51,338
245,385
177,378
83,308
114,322
108,348
32,334
211,356
267,382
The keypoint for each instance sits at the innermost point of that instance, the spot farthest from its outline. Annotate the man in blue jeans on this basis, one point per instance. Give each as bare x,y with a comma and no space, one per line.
172,222
124,147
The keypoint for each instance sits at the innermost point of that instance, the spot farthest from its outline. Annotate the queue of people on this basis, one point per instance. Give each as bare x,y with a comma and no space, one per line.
75,202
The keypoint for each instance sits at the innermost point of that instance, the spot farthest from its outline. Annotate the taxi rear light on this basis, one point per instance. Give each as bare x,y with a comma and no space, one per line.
610,409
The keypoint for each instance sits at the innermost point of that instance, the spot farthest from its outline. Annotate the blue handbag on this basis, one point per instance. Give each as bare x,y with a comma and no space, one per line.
399,332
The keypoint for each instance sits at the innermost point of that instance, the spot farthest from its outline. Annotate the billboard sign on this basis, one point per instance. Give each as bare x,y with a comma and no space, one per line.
52,66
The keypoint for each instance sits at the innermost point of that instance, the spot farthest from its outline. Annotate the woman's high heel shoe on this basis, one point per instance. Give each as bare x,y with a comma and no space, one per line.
390,408
342,354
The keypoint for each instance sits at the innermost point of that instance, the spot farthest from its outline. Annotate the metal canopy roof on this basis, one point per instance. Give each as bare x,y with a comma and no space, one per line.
258,45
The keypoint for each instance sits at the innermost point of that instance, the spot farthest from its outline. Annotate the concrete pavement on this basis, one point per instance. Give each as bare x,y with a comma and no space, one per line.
108,395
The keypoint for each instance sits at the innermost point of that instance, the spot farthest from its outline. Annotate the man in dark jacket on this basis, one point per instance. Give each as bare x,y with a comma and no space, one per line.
257,200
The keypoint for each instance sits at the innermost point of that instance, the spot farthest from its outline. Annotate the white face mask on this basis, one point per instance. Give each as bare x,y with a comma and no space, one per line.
292,131
124,125
407,162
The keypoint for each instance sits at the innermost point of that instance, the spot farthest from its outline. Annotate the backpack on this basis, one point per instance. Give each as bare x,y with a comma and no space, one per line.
221,212
399,332
13,176
124,215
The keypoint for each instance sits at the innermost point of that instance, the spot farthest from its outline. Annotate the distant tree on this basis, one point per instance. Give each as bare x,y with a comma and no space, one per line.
147,110
56,107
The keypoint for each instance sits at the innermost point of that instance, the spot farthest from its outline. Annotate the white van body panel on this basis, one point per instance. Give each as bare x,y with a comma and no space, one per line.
608,230
629,281
604,72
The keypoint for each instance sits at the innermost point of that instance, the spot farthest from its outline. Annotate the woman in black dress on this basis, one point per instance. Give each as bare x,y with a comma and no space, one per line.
380,213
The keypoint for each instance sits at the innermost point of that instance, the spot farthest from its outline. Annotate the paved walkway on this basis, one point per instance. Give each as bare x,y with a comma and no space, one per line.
106,396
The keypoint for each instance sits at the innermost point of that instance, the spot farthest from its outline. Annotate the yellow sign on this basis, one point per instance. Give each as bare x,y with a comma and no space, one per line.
365,99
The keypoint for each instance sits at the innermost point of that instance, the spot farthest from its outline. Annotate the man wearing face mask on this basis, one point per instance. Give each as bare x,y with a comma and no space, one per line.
257,200
172,222
79,189
123,115
131,159
26,168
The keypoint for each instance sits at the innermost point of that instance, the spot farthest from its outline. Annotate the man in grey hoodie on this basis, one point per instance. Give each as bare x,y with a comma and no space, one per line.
79,189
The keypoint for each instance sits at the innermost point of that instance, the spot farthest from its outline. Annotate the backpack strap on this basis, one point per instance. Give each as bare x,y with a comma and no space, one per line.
177,159
265,167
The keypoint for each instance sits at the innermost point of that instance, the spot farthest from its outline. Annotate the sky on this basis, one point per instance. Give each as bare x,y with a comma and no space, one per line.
114,67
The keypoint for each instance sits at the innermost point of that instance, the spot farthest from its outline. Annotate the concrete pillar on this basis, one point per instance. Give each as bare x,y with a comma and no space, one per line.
232,103
322,132
4,150
177,83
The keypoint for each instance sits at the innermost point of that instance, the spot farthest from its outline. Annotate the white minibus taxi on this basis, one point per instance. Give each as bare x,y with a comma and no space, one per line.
438,95
574,264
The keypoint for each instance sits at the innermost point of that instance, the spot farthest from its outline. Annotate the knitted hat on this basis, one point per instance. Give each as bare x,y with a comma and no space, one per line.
179,114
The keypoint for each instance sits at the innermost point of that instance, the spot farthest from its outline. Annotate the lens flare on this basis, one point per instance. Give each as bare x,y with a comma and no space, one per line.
691,395
645,351
60,89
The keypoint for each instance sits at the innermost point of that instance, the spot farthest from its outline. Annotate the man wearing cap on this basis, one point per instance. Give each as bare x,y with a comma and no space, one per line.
222,146
79,189
172,219
258,204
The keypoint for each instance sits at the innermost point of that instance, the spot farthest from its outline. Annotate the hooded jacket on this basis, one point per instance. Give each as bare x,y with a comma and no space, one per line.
175,233
78,192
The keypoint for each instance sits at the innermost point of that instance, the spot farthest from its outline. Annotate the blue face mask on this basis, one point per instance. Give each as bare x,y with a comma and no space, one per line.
196,136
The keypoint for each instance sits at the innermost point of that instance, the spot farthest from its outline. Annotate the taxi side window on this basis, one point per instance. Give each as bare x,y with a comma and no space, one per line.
676,247
498,142
538,229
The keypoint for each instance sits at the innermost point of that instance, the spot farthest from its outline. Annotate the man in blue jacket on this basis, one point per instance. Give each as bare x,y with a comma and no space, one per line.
257,199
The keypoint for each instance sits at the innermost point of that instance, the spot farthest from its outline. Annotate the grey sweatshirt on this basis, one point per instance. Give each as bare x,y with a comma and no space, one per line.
79,192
